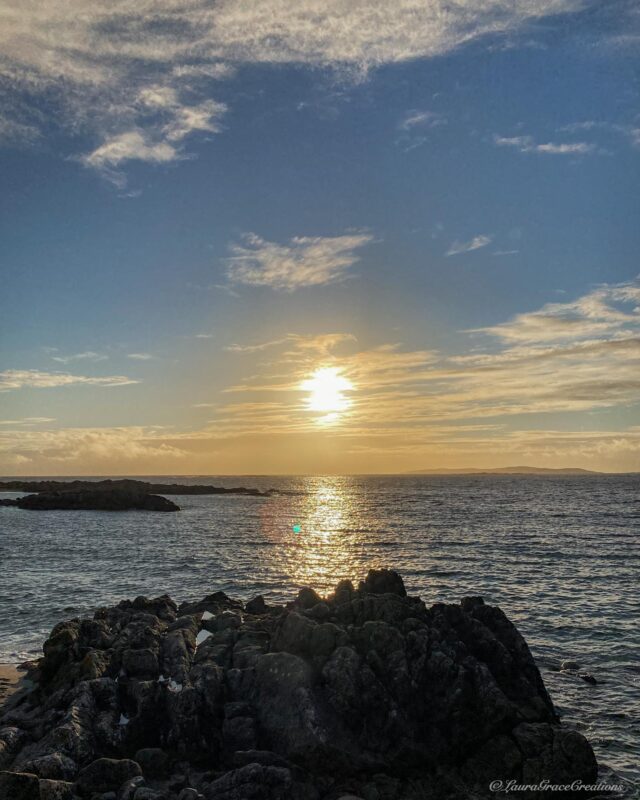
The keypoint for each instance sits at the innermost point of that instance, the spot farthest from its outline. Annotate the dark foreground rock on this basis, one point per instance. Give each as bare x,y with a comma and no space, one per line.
366,692
126,485
114,500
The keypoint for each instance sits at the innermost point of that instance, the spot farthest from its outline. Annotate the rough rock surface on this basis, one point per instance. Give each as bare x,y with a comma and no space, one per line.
364,693
84,500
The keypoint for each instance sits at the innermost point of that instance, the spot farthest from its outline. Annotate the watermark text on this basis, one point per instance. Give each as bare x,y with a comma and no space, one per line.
547,786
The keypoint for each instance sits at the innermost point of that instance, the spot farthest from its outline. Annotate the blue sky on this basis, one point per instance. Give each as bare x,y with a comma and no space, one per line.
439,205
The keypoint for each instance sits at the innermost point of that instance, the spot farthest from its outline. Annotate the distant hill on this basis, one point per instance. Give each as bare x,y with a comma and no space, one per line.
506,471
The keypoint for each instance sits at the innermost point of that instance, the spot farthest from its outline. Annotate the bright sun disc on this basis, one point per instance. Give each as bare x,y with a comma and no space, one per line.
326,389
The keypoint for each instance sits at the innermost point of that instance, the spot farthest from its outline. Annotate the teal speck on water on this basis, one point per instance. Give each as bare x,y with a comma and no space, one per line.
560,555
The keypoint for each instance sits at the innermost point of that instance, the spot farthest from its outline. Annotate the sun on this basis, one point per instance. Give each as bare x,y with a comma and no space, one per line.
327,387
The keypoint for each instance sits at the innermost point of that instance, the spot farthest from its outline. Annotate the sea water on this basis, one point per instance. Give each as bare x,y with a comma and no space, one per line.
560,556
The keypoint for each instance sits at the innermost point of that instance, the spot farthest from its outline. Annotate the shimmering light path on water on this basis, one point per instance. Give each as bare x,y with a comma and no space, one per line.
561,556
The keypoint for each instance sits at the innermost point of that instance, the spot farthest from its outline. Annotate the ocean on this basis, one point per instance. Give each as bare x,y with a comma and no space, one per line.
560,555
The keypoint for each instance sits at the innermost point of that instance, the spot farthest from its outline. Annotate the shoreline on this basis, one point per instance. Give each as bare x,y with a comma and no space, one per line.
10,681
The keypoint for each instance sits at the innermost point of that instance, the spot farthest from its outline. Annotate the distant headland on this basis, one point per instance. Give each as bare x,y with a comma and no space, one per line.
507,471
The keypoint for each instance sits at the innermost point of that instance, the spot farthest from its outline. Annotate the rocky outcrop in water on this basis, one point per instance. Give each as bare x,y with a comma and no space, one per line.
126,485
366,692
113,500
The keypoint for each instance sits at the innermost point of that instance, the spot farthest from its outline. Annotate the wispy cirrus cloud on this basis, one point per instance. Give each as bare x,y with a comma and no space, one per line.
318,345
135,145
629,131
160,121
303,261
12,379
415,126
17,133
478,242
256,348
138,76
609,311
527,144
422,119
88,355
140,356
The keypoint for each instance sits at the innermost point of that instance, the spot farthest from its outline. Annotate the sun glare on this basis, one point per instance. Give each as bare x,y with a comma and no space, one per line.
327,387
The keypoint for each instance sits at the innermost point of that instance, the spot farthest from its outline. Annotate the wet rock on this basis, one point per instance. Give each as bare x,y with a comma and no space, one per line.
295,727
141,663
19,786
256,606
55,766
569,666
253,782
130,787
178,649
248,645
553,751
153,761
343,593
162,608
56,790
307,597
469,604
587,678
60,648
94,665
387,607
189,794
11,740
146,793
105,774
228,619
320,612
383,581
299,635
265,757
28,666
239,733
212,603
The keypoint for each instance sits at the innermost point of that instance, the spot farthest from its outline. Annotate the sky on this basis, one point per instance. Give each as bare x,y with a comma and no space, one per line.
337,236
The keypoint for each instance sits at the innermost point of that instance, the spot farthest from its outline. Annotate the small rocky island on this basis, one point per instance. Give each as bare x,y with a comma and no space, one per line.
366,693
126,485
110,495
105,500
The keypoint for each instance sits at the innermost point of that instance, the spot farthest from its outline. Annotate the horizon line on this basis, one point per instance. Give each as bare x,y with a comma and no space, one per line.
408,474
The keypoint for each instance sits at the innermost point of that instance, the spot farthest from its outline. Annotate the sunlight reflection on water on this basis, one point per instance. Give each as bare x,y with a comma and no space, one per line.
560,556
329,545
